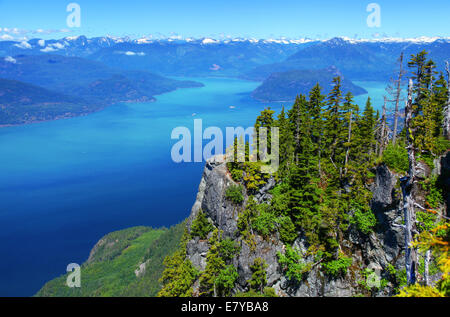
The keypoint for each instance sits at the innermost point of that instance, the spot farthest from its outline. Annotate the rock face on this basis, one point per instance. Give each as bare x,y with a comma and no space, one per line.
374,251
211,198
445,177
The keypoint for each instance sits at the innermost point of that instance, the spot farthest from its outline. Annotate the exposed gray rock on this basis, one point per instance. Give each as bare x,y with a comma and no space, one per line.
263,194
264,249
445,178
211,198
386,245
375,251
196,251
140,270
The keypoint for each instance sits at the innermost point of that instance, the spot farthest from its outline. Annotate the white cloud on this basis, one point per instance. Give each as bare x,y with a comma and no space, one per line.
130,53
209,41
23,45
52,47
41,43
58,46
48,49
6,37
9,59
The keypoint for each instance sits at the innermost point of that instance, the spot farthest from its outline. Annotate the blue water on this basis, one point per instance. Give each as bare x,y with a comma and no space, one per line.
64,184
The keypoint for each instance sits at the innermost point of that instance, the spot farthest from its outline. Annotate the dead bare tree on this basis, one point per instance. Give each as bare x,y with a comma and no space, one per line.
446,121
347,153
408,184
426,274
394,89
382,131
383,134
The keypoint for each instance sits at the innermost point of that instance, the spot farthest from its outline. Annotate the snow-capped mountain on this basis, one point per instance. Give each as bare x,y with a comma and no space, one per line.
256,59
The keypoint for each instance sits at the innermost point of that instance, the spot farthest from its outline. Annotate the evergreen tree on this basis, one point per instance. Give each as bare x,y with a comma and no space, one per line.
264,120
214,265
258,280
333,125
179,274
316,105
366,134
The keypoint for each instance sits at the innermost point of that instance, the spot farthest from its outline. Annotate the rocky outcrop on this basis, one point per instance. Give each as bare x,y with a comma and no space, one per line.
211,198
374,251
444,175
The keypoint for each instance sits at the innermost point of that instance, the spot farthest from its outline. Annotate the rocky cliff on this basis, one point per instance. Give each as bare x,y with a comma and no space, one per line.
374,251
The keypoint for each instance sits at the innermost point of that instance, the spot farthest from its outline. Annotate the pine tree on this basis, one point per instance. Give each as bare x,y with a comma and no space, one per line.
316,105
286,143
214,265
264,120
333,126
366,128
179,273
349,111
258,280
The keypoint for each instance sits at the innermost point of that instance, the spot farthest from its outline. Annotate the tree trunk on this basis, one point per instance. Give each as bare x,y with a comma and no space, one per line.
347,153
427,266
397,99
446,122
408,184
383,137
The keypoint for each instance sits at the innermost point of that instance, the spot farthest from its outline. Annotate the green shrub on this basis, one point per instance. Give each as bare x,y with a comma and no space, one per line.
434,196
292,263
428,159
268,292
396,157
201,226
265,222
365,220
237,174
426,221
442,145
371,281
280,199
337,267
287,229
228,248
226,279
235,194
258,280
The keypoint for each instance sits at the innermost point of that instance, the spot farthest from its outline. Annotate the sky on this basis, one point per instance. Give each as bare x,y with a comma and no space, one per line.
260,19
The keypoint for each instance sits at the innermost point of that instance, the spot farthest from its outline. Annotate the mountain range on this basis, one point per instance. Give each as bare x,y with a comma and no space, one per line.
107,70
247,58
